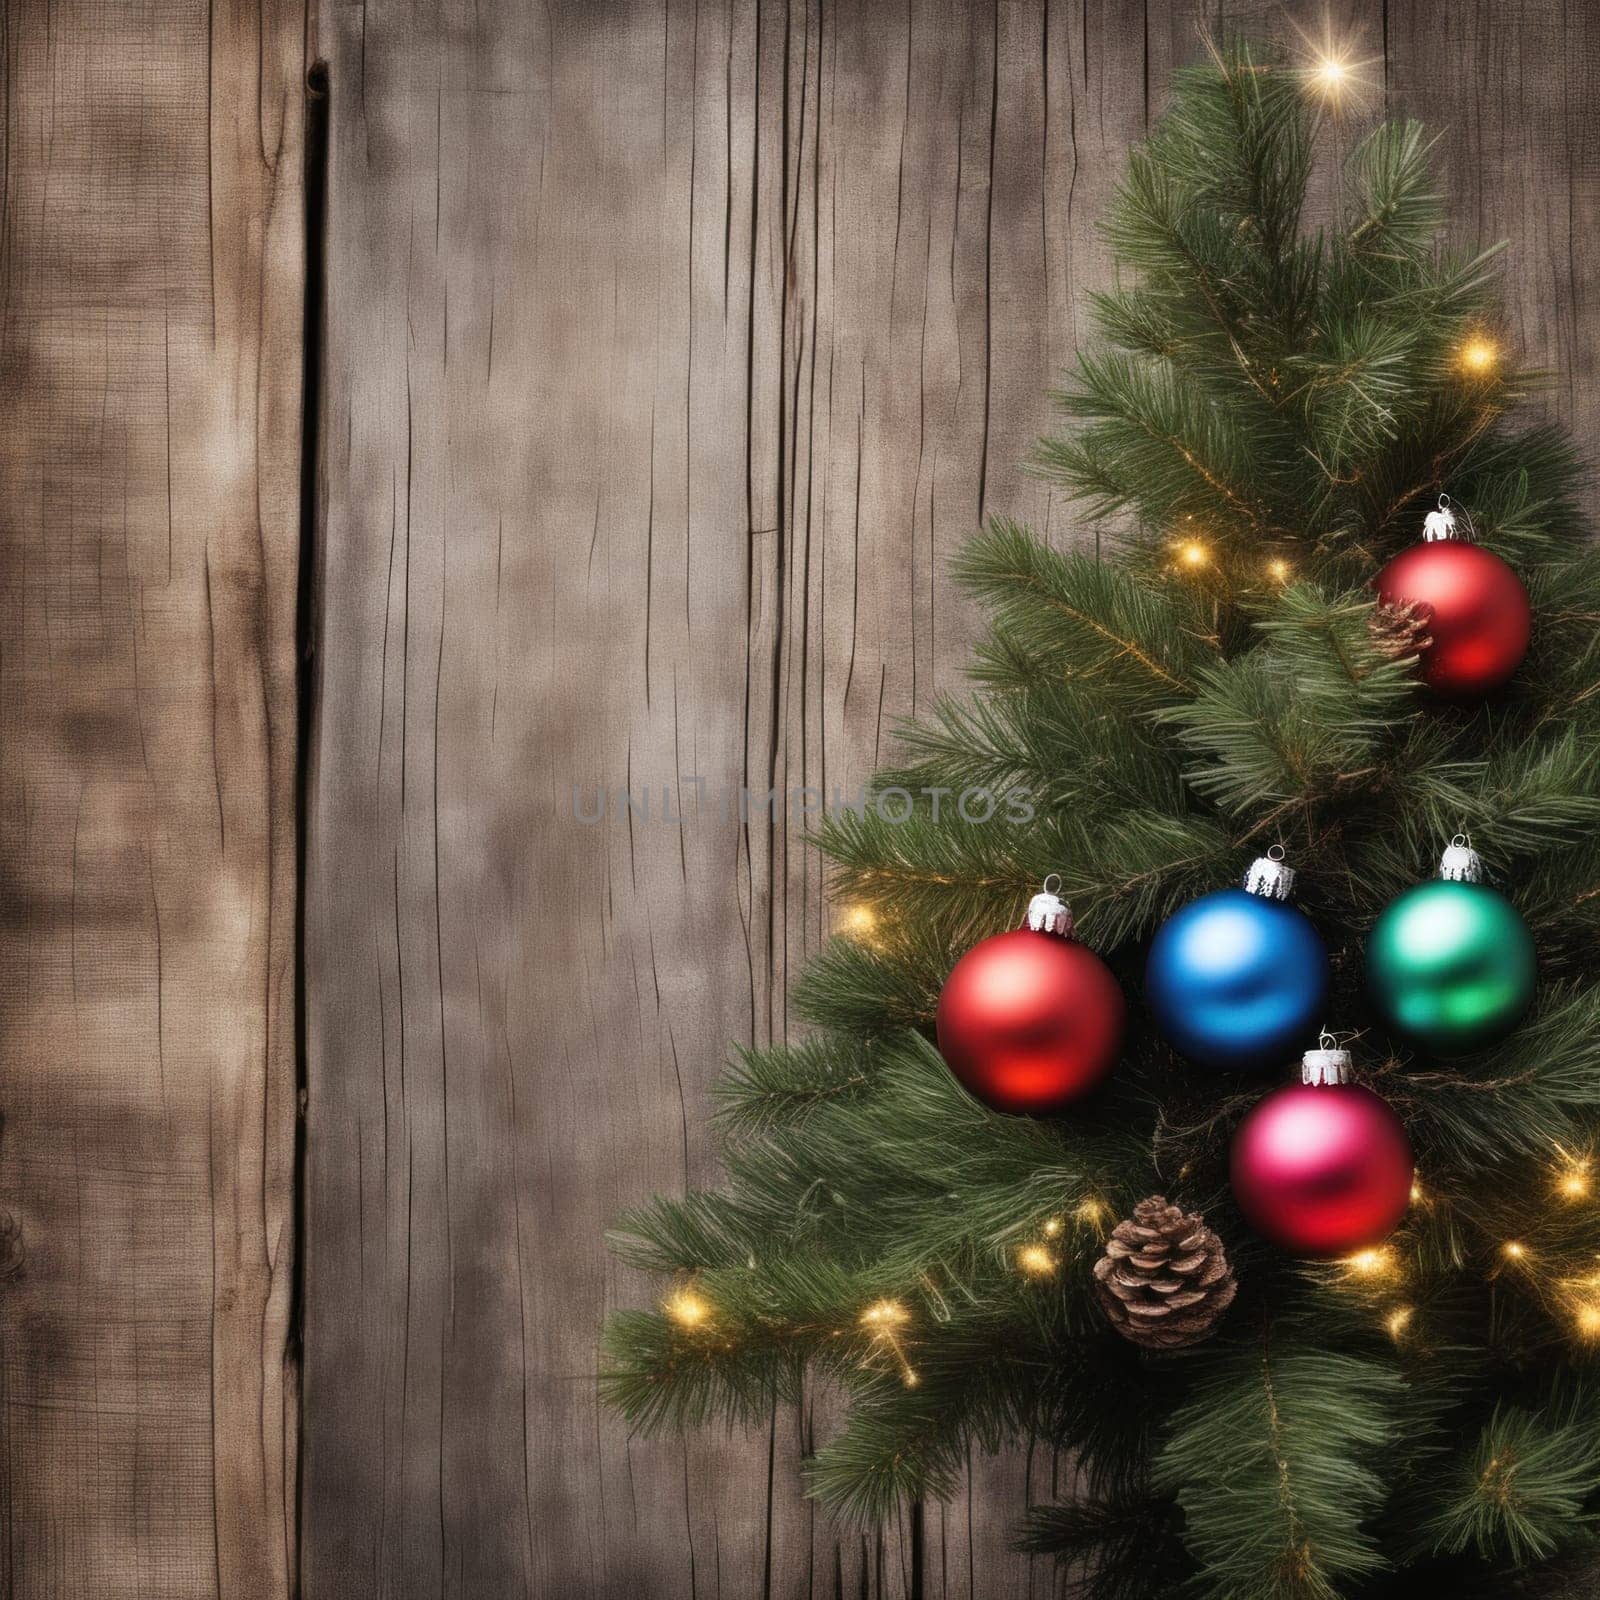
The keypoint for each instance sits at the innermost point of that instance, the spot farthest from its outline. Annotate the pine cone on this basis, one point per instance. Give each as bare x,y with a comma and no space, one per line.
1401,630
1164,1280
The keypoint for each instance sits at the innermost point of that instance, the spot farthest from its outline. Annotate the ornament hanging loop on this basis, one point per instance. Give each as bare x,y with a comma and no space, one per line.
1048,912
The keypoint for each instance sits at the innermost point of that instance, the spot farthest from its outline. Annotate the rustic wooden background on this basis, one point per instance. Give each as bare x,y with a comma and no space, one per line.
667,353
151,270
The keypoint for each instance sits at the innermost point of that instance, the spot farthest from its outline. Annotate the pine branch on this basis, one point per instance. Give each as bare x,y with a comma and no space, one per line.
1309,715
1536,1092
1124,1549
1302,1431
1075,615
775,1087
1177,454
1523,1492
1395,207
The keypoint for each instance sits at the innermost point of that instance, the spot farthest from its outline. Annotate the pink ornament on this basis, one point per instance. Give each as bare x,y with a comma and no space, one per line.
1322,1167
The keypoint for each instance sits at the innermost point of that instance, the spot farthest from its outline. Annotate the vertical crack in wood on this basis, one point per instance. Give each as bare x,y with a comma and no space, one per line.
307,636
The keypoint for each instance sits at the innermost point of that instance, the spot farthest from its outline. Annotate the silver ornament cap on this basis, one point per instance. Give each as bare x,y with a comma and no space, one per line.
1270,876
1440,524
1447,523
1048,912
1460,863
1327,1064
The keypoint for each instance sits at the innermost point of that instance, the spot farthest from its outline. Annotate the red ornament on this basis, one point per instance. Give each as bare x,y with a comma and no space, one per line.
1030,1020
1322,1167
1472,604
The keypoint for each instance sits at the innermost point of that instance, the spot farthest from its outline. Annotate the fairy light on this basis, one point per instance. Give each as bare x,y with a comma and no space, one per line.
1514,1255
1478,357
1581,1296
1585,1305
1091,1211
1278,569
1398,1320
1193,555
1330,69
1036,1261
1373,1263
1416,1192
1053,1227
858,921
883,1319
687,1309
1331,76
883,1314
1573,1175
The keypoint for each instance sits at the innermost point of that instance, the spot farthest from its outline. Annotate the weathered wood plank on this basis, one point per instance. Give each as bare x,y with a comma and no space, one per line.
1507,86
535,578
673,351
150,402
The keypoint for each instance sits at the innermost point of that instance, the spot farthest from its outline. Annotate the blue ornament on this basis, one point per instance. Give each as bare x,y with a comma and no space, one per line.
1239,979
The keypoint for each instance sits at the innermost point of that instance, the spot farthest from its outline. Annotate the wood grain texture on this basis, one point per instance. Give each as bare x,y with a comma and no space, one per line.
150,366
1520,157
672,351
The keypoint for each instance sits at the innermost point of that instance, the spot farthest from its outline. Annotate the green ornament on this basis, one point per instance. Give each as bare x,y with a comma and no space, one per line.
1450,965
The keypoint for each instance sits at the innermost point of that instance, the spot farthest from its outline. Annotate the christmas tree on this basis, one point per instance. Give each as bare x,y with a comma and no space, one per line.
1273,411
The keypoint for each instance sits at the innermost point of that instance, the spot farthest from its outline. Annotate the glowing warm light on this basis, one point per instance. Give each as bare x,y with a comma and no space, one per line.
1052,1228
1573,1175
883,1318
1479,357
1399,1320
1279,569
1036,1261
1582,1297
1370,1263
1513,1251
1416,1192
1090,1211
1330,69
687,1309
882,1314
1193,554
859,922
1330,75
